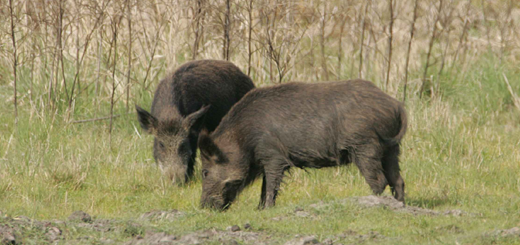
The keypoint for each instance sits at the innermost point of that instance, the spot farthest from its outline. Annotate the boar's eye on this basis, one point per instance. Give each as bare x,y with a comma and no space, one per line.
161,145
204,173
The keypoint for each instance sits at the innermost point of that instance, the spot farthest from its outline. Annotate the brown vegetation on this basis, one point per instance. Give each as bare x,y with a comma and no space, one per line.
111,52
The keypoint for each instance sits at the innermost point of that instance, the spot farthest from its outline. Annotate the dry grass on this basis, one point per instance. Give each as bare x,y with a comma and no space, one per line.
92,45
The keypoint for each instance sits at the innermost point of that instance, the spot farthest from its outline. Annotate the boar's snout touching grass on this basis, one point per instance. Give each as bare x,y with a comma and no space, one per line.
195,97
303,125
222,180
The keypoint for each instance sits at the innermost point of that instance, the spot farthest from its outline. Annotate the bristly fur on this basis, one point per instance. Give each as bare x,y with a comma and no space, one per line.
308,126
194,97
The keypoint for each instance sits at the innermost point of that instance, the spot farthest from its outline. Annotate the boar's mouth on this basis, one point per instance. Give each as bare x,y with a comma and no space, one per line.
178,174
216,203
231,189
223,201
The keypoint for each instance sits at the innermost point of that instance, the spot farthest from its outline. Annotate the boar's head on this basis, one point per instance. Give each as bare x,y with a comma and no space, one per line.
174,143
224,173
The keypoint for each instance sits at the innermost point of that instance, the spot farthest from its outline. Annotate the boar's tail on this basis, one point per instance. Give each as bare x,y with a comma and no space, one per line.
402,120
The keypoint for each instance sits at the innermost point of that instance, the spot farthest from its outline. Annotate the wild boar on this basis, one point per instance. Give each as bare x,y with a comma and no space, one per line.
304,125
194,97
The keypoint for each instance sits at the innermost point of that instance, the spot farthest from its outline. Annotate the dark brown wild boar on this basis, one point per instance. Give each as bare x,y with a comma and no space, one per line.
196,96
303,125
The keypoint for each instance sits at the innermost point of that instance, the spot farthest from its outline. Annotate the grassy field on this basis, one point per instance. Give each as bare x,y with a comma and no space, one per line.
461,152
68,60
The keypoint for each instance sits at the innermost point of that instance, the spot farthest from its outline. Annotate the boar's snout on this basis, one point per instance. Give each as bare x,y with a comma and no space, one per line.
174,155
214,203
176,172
226,195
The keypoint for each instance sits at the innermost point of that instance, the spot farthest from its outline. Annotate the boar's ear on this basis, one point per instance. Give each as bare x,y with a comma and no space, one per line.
146,120
208,147
194,120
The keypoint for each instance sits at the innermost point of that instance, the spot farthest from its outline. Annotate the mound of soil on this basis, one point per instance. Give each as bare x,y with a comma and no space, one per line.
515,231
156,215
392,204
80,216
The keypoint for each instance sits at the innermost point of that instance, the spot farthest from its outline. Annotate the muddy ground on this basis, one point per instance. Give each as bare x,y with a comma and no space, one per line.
80,227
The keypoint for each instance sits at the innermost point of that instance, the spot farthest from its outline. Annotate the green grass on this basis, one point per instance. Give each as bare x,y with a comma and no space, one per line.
461,152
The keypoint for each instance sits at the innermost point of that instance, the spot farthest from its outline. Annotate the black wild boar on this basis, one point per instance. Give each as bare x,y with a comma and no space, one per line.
303,125
196,96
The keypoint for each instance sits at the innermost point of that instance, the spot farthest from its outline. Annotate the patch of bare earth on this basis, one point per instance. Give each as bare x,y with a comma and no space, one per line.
13,229
348,236
392,204
7,235
230,236
303,241
156,215
16,230
515,231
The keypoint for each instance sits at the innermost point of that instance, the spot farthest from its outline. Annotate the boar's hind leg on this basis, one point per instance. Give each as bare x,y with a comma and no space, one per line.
372,169
262,196
391,167
273,174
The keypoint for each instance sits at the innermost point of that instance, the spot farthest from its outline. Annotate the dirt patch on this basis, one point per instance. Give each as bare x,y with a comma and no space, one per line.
392,204
22,229
98,225
53,233
346,237
153,238
306,240
18,230
370,202
515,231
80,216
247,237
156,215
12,230
351,235
373,201
201,237
7,235
196,237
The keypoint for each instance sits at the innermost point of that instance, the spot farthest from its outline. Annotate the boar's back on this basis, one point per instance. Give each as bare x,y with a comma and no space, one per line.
203,82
